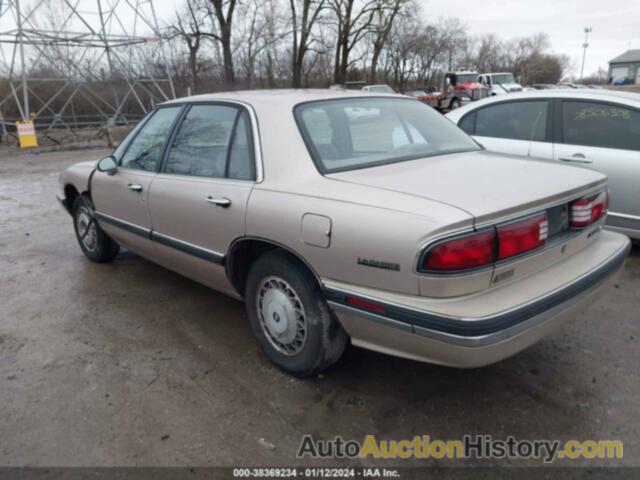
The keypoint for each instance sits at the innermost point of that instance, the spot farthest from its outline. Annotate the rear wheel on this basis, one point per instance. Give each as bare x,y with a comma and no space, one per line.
455,103
94,242
290,317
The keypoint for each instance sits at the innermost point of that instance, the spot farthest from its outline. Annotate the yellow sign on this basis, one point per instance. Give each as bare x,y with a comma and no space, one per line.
27,134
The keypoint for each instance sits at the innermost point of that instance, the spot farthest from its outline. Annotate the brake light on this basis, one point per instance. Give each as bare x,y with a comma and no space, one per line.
587,210
470,251
523,236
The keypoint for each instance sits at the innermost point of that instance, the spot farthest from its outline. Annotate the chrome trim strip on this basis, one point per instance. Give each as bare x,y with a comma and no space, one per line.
186,247
129,227
196,251
626,216
371,316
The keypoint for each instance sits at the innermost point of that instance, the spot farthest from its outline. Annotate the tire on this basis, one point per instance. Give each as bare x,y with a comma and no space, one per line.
454,104
94,242
280,289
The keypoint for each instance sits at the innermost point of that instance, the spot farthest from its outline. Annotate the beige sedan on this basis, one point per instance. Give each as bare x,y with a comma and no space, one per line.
343,216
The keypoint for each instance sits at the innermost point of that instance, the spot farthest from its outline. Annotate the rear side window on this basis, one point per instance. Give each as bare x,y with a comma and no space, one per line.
212,141
600,125
468,123
513,120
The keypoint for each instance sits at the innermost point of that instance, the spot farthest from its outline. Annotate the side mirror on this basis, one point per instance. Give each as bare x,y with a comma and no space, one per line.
108,165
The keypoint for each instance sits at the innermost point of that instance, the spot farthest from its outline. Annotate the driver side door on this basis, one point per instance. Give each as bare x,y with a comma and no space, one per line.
120,199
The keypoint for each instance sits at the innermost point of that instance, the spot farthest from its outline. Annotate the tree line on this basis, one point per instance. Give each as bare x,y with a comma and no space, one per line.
213,45
222,44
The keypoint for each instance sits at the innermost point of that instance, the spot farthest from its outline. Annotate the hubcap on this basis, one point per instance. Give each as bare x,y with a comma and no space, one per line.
281,315
86,227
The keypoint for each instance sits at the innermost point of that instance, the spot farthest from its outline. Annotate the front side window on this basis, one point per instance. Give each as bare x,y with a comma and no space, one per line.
212,141
514,121
358,132
146,149
600,125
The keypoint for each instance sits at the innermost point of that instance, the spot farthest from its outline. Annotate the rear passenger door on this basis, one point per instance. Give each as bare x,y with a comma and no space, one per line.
198,200
604,136
517,127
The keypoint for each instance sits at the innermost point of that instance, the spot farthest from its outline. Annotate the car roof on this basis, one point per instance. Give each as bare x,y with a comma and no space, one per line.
629,98
281,97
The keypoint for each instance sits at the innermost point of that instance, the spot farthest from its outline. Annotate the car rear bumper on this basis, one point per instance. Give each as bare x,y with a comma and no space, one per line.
437,332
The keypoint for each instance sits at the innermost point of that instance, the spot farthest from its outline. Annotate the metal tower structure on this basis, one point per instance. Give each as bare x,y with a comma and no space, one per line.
80,63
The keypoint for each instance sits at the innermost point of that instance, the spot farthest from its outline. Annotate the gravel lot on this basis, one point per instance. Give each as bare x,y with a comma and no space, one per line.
130,364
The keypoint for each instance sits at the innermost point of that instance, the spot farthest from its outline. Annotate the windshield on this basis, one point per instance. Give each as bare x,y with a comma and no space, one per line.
358,132
467,77
503,78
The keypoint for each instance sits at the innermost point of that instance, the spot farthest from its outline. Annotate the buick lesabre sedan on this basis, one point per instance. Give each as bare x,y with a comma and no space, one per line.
348,216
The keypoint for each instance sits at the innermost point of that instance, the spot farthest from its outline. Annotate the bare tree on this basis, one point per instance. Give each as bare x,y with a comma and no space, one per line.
403,52
304,15
189,27
223,11
354,21
384,15
261,30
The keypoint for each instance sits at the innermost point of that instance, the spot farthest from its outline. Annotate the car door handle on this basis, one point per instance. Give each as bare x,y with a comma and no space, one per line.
223,202
136,187
576,157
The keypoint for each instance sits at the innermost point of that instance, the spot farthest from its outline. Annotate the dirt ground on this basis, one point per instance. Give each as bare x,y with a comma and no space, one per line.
129,364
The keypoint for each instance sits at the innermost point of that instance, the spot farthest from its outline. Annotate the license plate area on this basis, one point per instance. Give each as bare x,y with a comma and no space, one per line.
558,218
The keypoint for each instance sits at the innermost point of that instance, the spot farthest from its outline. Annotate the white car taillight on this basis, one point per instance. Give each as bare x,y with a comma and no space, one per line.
587,210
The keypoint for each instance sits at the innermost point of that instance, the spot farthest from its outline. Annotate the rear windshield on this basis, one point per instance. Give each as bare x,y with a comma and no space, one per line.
358,132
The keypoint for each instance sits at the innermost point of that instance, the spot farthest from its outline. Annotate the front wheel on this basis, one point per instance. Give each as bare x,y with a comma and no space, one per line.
94,242
290,317
455,103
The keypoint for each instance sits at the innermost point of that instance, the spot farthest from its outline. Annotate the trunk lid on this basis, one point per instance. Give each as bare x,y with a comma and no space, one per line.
488,186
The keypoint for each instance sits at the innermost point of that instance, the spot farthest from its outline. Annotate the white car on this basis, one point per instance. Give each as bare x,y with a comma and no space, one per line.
597,129
378,89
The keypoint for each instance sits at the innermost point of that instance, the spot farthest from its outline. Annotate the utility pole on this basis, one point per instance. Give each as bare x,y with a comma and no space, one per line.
585,45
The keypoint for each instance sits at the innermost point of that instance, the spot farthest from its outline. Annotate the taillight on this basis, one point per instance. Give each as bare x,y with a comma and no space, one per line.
587,210
470,251
508,240
522,236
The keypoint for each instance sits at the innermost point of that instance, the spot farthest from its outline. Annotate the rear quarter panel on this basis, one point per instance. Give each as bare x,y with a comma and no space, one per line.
358,231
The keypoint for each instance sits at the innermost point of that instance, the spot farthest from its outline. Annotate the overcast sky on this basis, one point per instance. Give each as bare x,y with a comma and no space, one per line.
615,23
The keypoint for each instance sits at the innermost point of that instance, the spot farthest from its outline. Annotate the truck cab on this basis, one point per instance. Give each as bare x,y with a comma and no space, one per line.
500,83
